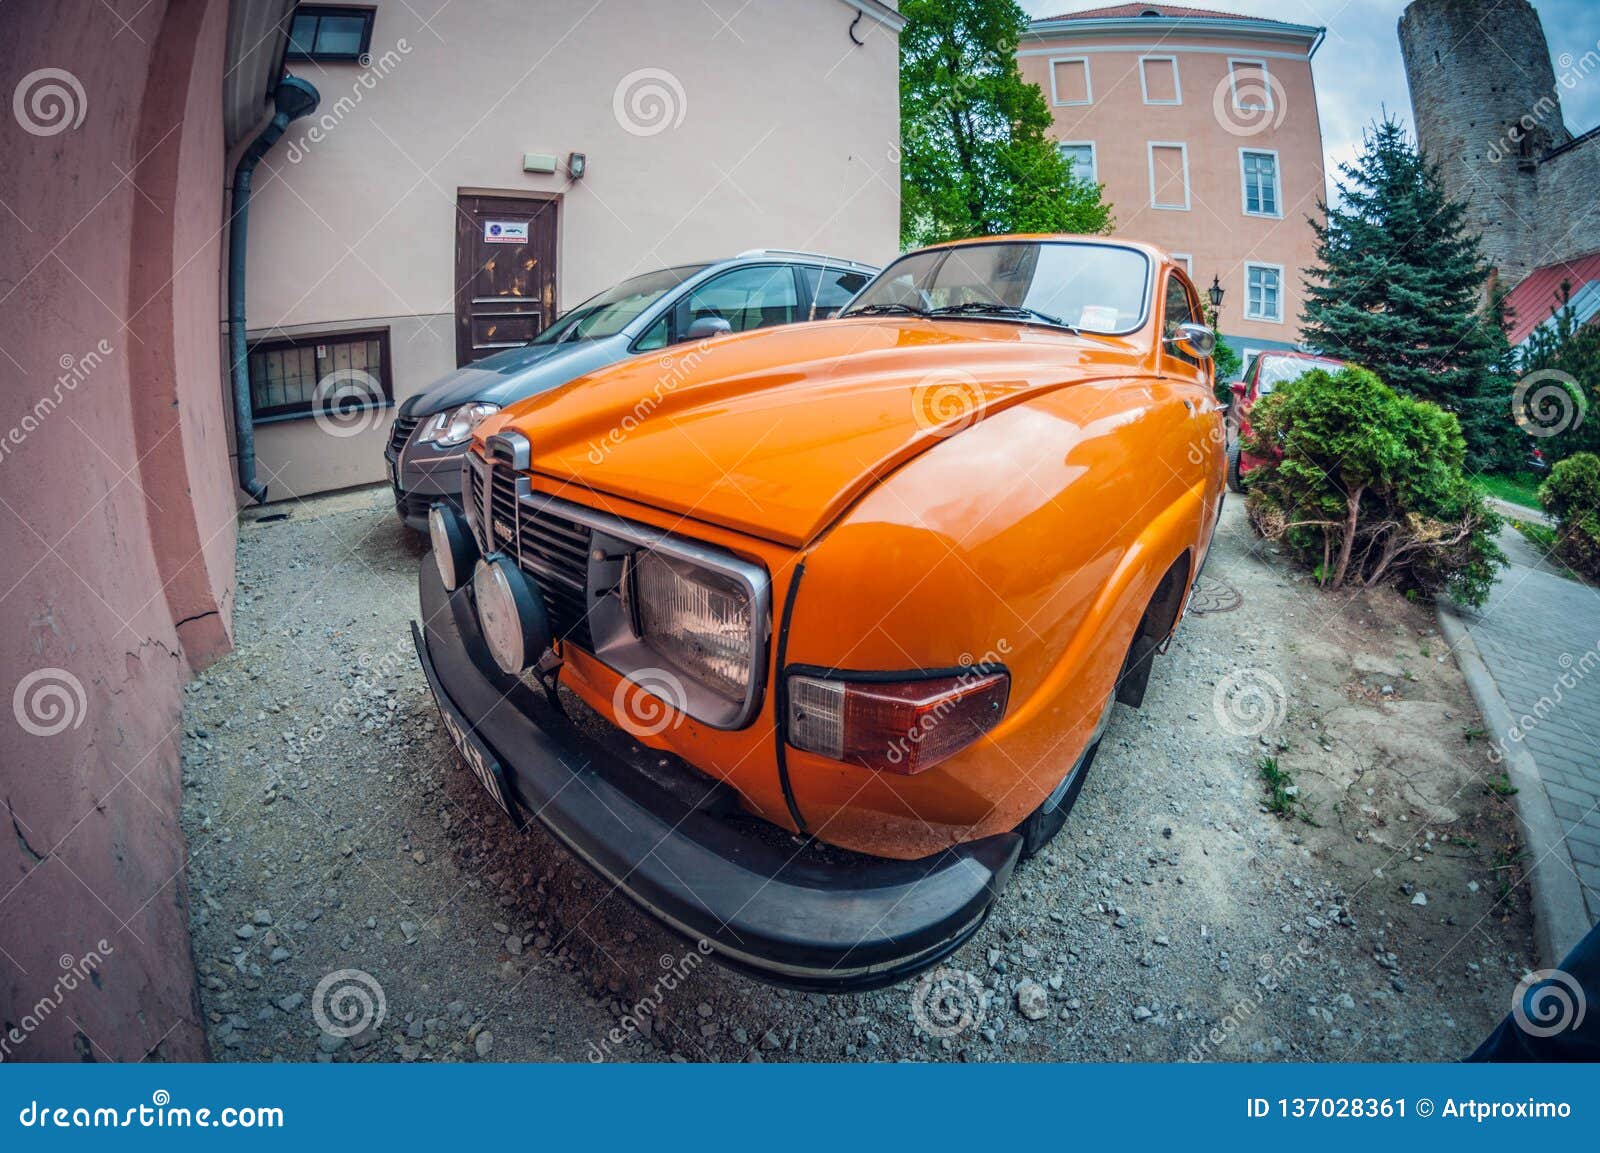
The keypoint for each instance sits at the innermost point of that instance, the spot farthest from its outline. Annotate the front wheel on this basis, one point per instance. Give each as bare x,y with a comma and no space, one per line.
1235,481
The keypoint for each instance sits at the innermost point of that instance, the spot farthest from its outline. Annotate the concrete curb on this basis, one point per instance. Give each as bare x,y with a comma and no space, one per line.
1560,918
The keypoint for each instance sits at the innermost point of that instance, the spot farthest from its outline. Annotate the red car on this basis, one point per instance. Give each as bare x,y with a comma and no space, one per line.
1266,372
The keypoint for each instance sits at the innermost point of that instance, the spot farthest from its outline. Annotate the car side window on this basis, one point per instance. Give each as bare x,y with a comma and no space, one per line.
746,298
1179,309
830,289
658,335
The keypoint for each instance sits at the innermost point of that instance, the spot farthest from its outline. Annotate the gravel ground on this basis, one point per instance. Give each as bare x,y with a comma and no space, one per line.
357,897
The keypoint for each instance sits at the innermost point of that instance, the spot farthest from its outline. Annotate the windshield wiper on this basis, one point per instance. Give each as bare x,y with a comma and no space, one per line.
997,308
890,306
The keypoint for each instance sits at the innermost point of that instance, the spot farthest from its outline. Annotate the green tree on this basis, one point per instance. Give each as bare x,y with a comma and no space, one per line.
1398,289
1225,362
975,159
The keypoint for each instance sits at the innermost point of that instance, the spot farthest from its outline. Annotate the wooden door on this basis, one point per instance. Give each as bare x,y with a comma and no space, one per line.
505,272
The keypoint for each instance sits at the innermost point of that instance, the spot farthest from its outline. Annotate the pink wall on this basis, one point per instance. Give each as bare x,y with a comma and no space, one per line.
116,579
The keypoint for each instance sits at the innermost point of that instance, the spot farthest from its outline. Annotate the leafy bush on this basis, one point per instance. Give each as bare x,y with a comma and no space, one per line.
1572,496
1367,486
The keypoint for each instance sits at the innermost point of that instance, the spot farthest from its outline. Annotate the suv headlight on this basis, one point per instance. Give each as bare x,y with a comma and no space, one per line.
454,427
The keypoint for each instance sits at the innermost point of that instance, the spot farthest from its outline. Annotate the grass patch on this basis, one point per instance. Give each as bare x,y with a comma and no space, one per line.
1500,786
1283,795
1516,488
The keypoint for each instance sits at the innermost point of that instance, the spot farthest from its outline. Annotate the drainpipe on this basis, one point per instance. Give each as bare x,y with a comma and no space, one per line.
292,99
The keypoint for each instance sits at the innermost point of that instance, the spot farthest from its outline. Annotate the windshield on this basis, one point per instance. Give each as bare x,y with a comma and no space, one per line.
1276,370
1093,287
615,308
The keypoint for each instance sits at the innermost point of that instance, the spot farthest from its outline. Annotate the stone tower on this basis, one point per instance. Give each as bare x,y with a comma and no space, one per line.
1487,111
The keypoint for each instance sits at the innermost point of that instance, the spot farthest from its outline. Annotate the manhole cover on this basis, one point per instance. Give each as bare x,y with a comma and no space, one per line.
1211,595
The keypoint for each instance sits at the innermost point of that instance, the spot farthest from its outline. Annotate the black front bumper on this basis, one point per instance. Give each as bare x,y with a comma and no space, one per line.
757,902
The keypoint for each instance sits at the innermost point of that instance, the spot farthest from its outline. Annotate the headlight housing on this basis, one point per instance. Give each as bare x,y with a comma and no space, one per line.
697,620
454,427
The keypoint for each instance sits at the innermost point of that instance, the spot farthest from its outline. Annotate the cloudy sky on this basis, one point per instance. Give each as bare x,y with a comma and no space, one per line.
1358,70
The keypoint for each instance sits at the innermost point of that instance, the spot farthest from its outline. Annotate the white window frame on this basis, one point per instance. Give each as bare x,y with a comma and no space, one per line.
1187,260
1282,292
1094,157
1233,82
1088,82
1177,81
1277,183
1150,164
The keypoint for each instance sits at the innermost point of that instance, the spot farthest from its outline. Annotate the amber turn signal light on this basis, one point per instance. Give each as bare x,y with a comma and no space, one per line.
895,726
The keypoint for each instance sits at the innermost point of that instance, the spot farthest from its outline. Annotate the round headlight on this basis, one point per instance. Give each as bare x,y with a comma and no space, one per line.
454,550
510,613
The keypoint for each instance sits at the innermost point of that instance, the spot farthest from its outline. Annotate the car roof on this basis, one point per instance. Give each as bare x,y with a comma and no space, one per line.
1149,250
790,256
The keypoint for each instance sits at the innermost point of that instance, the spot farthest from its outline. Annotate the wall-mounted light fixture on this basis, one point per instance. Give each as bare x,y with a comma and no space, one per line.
577,162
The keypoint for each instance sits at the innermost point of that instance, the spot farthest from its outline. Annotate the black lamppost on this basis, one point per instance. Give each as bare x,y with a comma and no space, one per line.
1215,293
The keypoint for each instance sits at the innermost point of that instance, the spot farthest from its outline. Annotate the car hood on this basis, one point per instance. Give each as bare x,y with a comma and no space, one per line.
516,373
775,433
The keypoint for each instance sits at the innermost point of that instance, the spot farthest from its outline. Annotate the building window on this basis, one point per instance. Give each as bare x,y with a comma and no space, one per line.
1069,81
1158,80
328,34
1252,86
327,374
1169,176
1187,261
1263,292
1081,154
1262,192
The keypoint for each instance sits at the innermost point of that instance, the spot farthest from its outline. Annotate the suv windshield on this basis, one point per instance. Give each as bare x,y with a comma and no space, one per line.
614,309
1093,287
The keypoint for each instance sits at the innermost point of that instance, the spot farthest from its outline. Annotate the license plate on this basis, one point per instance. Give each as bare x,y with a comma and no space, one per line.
479,759
484,765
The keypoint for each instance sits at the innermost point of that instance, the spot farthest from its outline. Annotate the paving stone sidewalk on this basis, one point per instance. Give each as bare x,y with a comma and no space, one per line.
1539,636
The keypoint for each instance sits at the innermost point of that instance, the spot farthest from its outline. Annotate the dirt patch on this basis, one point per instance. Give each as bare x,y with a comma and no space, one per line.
332,829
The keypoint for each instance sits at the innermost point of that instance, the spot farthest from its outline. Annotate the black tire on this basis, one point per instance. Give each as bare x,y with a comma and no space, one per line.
1038,827
1235,481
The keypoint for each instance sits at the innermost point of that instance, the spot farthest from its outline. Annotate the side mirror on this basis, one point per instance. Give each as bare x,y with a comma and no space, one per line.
1194,340
1239,388
705,327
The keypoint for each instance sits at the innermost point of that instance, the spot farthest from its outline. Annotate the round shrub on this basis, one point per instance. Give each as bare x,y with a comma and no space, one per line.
1571,494
1365,486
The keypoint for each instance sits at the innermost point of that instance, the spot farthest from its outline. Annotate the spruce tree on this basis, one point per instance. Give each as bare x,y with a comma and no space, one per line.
1398,289
975,159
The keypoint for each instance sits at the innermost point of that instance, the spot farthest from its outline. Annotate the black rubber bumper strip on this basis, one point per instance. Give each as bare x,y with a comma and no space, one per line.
760,904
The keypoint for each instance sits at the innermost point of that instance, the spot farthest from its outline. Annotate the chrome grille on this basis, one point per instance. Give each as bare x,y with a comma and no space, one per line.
551,549
401,431
554,551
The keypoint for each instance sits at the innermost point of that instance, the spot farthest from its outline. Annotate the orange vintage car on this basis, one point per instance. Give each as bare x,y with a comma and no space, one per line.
802,637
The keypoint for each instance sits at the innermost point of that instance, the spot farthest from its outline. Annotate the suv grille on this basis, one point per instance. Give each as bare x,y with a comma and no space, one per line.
552,550
401,432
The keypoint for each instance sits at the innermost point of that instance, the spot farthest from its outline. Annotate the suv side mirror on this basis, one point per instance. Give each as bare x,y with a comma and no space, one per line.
705,327
1194,340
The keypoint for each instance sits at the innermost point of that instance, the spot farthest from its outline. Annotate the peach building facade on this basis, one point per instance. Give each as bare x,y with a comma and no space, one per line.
1202,127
